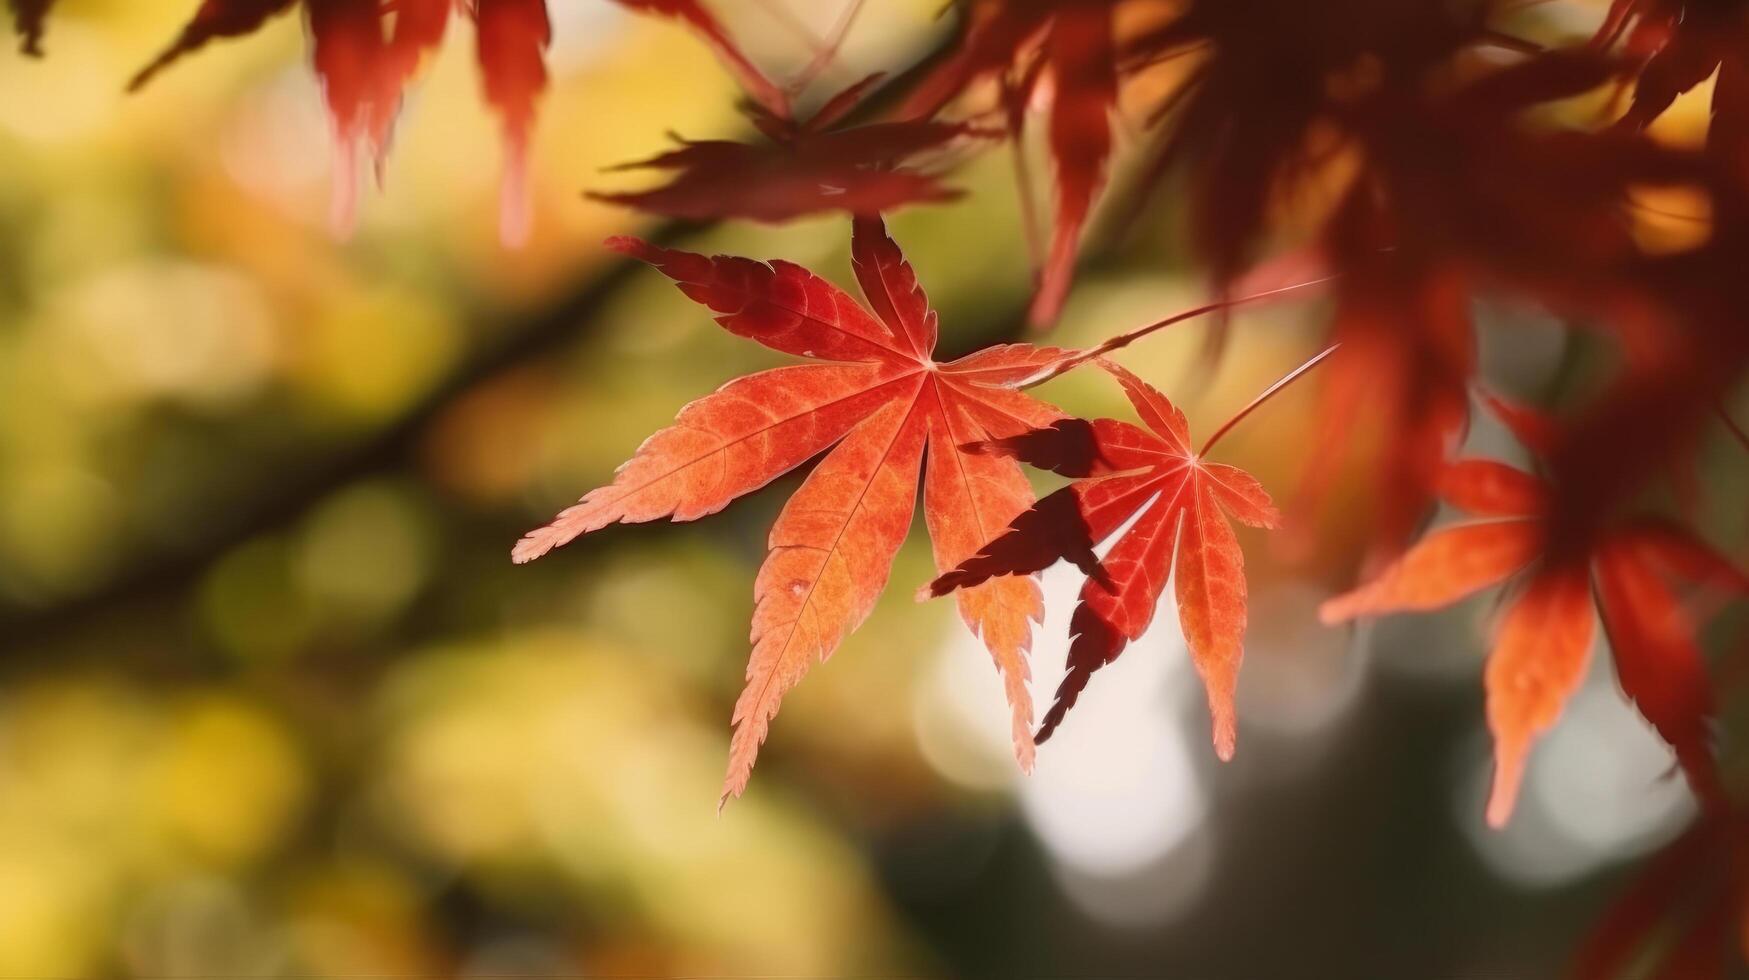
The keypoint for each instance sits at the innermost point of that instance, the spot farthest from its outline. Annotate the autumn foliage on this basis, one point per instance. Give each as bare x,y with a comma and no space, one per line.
1415,157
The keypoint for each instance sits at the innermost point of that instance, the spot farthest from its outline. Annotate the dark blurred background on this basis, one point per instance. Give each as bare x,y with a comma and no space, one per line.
274,701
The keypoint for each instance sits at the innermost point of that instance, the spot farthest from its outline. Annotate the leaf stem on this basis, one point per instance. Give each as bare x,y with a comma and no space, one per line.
826,50
1268,393
1125,339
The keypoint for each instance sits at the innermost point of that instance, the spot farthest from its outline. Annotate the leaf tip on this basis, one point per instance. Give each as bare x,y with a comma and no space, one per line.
1508,771
1226,736
533,545
1336,610
515,202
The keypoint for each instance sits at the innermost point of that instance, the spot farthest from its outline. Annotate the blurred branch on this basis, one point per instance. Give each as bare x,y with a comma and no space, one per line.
307,483
297,491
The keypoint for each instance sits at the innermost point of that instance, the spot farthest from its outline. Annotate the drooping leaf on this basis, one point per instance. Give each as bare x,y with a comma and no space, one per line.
364,69
366,51
1071,43
511,38
1544,634
881,407
1541,649
1182,532
1083,61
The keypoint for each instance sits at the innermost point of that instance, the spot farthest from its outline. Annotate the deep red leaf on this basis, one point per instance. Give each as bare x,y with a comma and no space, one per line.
1542,641
1184,503
1070,42
861,170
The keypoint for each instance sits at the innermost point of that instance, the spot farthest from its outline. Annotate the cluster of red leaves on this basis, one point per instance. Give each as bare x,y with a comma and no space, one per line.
1451,189
1543,641
1451,186
881,405
367,51
1424,127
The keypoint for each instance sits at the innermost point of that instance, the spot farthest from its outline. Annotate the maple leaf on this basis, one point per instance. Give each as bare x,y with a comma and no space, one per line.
880,404
27,20
366,51
1180,502
1543,639
804,168
1070,42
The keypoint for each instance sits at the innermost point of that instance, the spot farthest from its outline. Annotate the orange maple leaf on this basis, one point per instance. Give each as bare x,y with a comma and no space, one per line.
881,403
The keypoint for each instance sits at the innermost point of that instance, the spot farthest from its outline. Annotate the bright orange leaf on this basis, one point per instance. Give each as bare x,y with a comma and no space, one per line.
881,404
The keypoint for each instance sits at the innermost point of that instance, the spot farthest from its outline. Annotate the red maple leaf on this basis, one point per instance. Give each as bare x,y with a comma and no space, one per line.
1071,43
880,404
1543,639
804,168
1183,502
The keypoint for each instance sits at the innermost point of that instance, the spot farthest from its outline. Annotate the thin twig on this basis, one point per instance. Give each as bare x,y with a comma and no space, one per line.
1125,339
787,19
829,52
1268,393
1029,216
